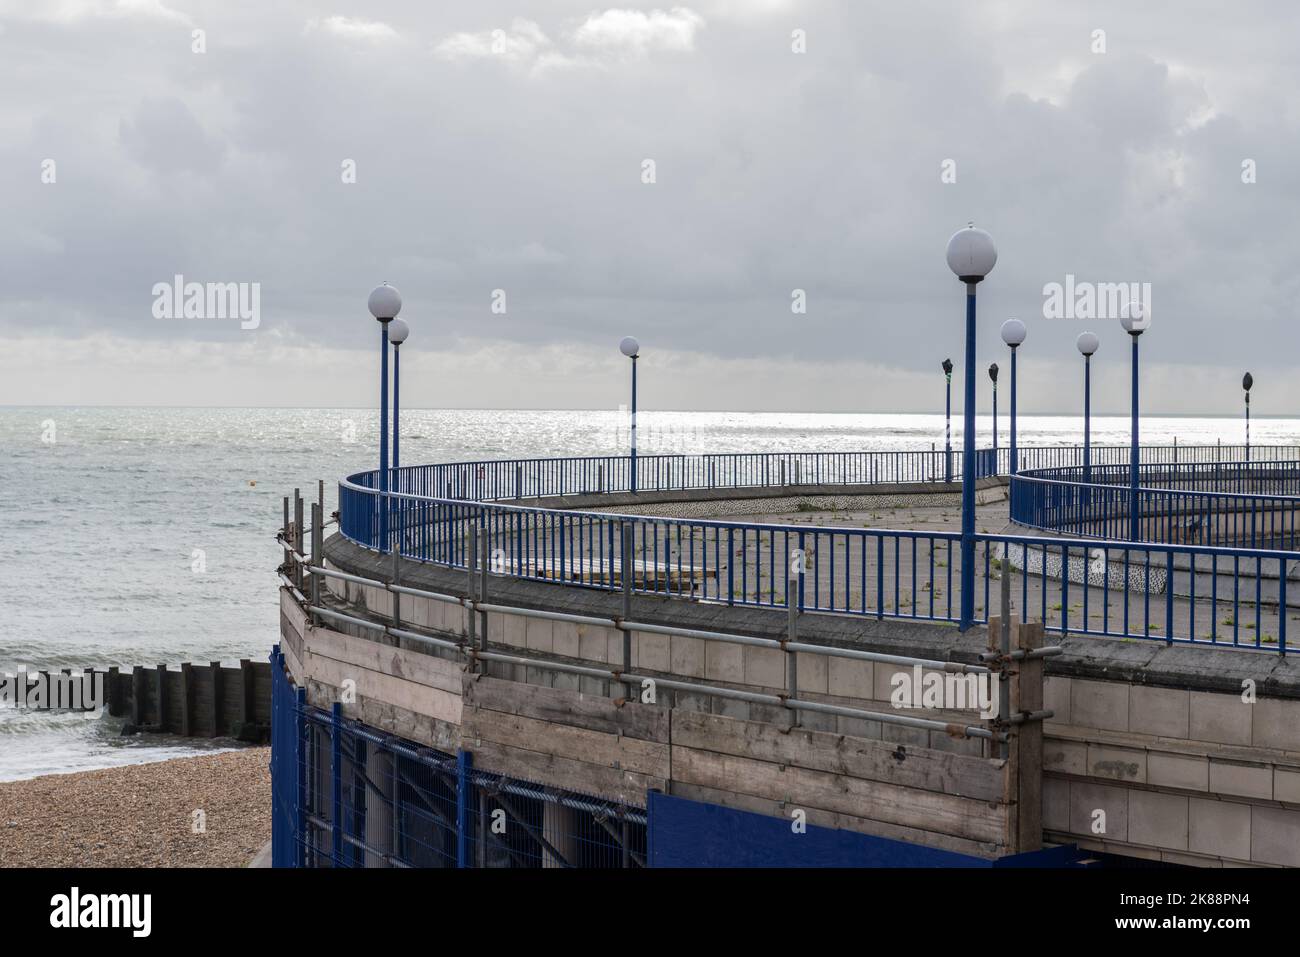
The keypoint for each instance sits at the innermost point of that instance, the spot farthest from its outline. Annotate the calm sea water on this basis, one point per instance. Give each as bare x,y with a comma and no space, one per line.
138,536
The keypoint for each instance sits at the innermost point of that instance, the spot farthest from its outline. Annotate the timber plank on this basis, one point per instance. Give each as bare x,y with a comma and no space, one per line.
566,741
423,669
924,810
906,766
547,769
593,712
410,695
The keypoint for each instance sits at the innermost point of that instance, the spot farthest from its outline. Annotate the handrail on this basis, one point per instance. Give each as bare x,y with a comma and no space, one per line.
873,572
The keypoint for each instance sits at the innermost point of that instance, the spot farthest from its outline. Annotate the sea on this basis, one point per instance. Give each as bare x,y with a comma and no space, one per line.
139,536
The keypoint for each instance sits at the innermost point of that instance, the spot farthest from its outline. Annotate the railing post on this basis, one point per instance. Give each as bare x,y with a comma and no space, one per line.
471,585
336,783
484,564
300,806
317,546
791,656
1281,606
297,535
464,787
629,539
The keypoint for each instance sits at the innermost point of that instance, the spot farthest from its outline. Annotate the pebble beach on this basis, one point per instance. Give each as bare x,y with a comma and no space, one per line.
141,815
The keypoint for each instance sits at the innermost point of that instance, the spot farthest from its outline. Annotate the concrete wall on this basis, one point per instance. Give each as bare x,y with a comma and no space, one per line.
579,733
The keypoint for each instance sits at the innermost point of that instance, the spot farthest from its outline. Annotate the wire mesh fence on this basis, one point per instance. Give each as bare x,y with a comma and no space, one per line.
347,795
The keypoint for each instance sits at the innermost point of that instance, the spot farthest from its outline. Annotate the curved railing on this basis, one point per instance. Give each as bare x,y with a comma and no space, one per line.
1251,504
436,512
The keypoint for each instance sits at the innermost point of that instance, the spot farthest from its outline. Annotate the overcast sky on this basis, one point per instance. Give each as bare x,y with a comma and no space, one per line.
503,146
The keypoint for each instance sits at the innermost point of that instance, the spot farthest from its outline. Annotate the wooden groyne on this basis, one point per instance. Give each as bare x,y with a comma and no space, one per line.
205,701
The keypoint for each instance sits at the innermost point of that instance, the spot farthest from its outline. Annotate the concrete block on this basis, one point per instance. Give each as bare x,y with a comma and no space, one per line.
687,657
539,635
724,662
515,634
1160,711
1056,804
1275,836
1099,704
1056,697
858,727
1286,785
650,652
764,666
817,721
849,678
415,611
1099,811
566,682
1222,718
1117,764
884,680
1275,724
812,673
1065,757
1158,819
1246,780
564,639
593,643
596,687
731,708
1186,771
1220,828
496,629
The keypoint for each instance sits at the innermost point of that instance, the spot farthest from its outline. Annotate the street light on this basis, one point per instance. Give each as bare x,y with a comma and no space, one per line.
1013,333
631,348
971,256
993,374
385,303
398,330
1135,318
1087,343
1247,383
947,422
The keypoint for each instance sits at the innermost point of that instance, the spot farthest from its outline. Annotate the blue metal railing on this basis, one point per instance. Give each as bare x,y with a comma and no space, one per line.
1098,585
1255,504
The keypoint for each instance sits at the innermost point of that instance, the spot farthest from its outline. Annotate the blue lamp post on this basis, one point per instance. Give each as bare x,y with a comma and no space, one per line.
398,330
1135,320
971,256
385,303
993,374
947,422
1087,344
1247,383
1013,333
632,349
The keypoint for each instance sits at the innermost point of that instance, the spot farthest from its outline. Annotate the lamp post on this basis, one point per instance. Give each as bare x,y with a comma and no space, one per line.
385,303
1247,382
398,330
1135,320
993,374
971,256
1013,333
1087,343
631,348
947,422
